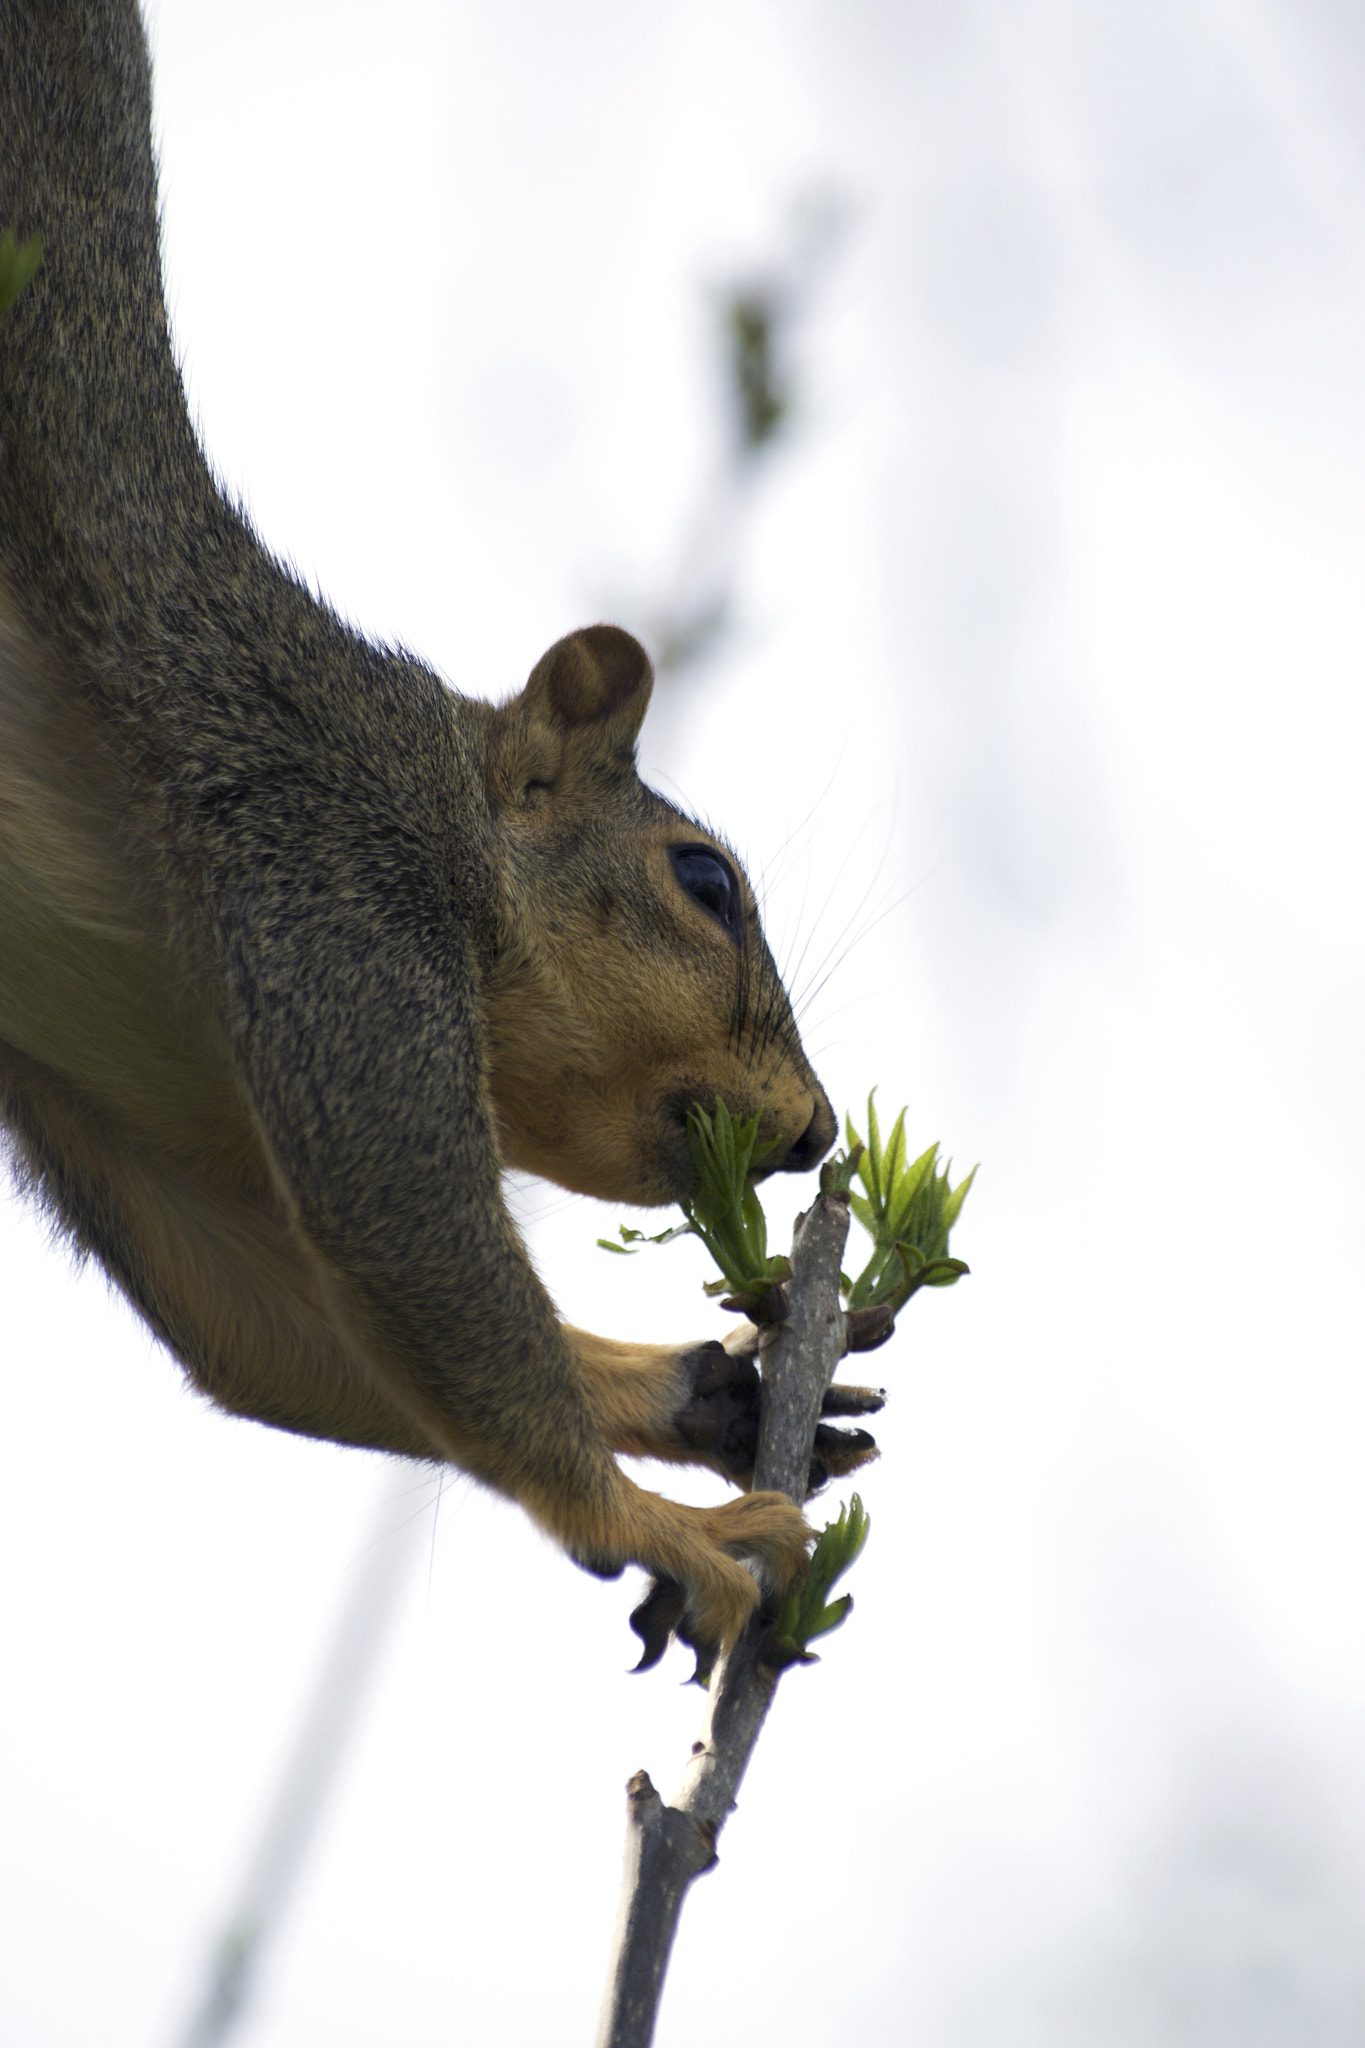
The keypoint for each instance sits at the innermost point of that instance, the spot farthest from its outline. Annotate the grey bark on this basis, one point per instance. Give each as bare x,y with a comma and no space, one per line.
668,1846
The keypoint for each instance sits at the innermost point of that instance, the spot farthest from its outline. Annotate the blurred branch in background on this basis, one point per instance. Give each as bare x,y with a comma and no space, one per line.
757,323
315,1763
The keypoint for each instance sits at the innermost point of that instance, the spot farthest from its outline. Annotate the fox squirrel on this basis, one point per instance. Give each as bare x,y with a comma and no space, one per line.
299,949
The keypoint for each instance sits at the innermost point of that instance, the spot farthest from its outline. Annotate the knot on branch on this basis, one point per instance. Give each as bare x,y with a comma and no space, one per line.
683,1844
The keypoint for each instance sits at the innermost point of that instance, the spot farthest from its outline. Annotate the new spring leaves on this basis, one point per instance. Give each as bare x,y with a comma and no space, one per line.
907,1211
807,1611
907,1208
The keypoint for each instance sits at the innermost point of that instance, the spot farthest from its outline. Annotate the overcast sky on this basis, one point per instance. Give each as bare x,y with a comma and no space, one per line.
1040,717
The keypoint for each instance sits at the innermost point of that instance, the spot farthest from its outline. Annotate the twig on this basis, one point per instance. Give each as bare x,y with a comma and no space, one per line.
668,1846
314,1765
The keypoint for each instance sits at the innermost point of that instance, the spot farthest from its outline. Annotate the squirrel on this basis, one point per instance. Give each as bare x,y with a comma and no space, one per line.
299,949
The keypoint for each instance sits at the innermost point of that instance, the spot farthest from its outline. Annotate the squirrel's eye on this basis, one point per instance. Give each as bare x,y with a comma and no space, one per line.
710,883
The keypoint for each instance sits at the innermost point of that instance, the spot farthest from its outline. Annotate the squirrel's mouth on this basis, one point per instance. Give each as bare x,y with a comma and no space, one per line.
799,1156
674,1151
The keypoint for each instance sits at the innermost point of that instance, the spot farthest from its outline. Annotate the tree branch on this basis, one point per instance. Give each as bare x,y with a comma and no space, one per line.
668,1846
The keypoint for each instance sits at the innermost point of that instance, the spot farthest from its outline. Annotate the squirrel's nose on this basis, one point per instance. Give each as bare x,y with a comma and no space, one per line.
813,1143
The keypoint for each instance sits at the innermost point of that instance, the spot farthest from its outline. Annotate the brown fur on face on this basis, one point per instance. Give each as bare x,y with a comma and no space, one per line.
618,1001
298,947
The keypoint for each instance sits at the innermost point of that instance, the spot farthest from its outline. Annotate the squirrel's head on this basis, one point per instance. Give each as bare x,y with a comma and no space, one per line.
632,977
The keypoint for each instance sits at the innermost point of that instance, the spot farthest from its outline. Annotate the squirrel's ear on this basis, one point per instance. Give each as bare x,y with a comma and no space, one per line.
599,676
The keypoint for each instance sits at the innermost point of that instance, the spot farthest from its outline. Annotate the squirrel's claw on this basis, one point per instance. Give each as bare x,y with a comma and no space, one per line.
655,1619
842,1400
705,1654
837,1453
843,1450
660,1616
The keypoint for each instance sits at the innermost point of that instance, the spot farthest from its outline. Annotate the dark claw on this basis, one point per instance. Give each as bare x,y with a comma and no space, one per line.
705,1654
866,1328
853,1400
844,1448
660,1616
655,1619
837,1453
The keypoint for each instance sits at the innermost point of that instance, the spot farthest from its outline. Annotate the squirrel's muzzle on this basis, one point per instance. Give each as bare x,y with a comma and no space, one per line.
813,1143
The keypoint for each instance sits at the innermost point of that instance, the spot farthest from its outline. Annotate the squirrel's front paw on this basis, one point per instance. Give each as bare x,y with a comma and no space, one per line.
719,1418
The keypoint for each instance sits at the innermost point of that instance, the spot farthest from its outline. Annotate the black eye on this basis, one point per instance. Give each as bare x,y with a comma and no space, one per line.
710,883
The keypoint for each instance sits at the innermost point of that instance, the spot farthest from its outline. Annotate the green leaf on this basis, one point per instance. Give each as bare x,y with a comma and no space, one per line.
872,1178
908,1191
908,1211
830,1617
791,1608
895,1153
632,1239
806,1611
953,1206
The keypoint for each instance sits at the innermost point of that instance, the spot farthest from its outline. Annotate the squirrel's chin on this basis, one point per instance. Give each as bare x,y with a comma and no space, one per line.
642,1160
659,1169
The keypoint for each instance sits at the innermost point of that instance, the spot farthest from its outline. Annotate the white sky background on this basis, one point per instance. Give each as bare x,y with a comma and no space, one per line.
1049,654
